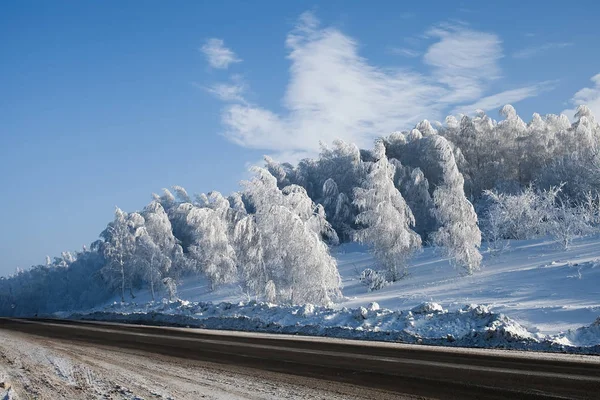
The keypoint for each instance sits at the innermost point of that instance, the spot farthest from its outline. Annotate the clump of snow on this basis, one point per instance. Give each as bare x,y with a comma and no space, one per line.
361,313
308,310
427,308
586,336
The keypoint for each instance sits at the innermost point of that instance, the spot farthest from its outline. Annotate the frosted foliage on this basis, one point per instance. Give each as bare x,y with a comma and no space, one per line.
330,194
415,190
270,292
247,242
294,256
319,224
150,262
568,222
531,214
237,203
385,218
277,171
167,200
119,249
159,227
459,236
511,153
182,195
170,287
372,279
425,128
210,246
519,216
201,200
458,233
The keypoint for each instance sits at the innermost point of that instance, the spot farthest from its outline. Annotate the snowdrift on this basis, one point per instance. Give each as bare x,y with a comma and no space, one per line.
428,323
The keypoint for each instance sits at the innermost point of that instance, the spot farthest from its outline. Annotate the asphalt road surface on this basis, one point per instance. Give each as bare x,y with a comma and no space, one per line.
388,369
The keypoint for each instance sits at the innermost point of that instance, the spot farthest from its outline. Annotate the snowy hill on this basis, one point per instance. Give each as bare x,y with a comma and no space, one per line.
531,295
534,282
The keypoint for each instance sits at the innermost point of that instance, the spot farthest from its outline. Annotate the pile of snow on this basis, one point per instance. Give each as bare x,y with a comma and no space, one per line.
429,323
586,336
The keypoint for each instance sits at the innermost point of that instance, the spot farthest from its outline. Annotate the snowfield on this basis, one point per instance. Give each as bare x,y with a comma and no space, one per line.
532,295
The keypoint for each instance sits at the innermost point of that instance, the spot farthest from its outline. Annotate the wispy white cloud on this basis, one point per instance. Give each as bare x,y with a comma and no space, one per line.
498,100
333,92
402,51
233,91
217,54
589,96
227,92
533,51
464,60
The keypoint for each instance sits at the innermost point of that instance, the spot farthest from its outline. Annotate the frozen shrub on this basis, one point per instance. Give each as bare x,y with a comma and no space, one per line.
373,279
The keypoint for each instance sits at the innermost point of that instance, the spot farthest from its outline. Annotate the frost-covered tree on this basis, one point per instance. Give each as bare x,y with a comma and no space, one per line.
567,222
455,220
210,245
150,261
248,245
458,236
119,250
342,218
182,195
414,187
531,214
329,196
458,233
295,258
171,287
159,228
385,218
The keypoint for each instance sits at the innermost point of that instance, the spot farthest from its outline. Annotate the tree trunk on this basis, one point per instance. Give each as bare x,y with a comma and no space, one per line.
152,286
122,283
152,276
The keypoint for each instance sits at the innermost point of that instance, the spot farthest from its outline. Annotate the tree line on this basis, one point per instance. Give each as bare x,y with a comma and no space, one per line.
443,185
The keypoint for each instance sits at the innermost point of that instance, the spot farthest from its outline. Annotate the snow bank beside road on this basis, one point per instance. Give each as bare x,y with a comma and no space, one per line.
428,323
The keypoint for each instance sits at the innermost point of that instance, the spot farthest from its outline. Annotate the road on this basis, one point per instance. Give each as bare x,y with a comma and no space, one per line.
355,369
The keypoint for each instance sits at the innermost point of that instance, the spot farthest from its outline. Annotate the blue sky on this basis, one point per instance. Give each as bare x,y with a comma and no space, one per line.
103,103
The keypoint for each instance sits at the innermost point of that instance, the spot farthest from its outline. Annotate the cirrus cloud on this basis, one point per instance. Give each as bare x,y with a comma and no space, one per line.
217,54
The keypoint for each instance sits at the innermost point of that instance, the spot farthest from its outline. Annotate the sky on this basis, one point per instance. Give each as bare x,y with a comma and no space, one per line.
104,103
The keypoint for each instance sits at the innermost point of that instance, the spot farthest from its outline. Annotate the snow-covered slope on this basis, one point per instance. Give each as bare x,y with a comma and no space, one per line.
536,283
531,295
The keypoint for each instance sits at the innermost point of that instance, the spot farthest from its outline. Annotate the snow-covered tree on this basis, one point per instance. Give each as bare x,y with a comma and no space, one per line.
414,187
210,245
247,242
532,214
150,261
119,250
458,236
458,233
385,218
158,227
295,258
567,223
